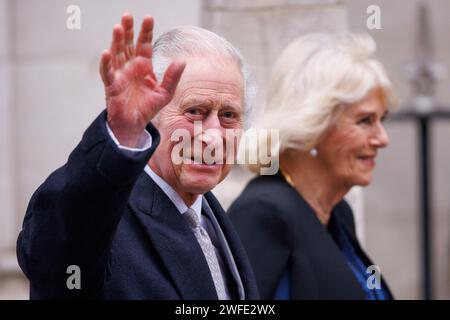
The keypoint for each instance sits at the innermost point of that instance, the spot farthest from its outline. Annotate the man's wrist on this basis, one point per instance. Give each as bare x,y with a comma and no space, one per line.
131,143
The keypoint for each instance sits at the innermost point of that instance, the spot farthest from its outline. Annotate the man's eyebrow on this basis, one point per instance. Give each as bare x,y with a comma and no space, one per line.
194,102
231,105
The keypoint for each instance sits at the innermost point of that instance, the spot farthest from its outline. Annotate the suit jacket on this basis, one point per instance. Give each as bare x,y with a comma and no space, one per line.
104,214
280,232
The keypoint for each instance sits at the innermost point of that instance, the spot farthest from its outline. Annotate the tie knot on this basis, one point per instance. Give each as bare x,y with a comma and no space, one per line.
192,218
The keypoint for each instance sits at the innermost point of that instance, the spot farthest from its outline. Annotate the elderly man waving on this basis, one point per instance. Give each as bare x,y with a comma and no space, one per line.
131,221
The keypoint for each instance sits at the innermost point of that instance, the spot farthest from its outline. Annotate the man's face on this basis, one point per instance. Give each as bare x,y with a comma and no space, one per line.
210,92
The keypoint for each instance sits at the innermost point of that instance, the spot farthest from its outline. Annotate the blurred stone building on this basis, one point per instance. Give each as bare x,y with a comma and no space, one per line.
50,91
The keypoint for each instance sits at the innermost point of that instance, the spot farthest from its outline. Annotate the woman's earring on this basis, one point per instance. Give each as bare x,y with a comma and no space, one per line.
313,152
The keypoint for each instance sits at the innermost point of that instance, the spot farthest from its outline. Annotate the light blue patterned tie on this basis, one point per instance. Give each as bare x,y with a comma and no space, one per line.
208,250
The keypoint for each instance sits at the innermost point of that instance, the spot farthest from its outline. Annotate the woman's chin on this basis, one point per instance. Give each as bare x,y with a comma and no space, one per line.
363,180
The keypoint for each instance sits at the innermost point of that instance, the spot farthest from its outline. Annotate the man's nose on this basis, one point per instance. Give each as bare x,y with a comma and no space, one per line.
212,121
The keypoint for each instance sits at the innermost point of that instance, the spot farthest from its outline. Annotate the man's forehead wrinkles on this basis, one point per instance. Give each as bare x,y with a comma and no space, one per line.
201,83
197,98
214,102
212,94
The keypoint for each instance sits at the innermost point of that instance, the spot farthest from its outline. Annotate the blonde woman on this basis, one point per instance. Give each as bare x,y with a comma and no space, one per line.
328,98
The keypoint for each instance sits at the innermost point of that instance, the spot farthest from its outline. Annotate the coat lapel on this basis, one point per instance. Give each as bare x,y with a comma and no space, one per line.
363,255
324,249
173,240
236,248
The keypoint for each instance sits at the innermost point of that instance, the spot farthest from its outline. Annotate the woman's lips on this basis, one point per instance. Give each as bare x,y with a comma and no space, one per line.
368,161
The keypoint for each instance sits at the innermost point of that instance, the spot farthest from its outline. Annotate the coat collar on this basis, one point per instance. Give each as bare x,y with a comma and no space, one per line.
320,241
173,240
321,236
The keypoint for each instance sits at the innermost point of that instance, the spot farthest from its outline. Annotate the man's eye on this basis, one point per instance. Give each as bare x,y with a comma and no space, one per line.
229,114
194,111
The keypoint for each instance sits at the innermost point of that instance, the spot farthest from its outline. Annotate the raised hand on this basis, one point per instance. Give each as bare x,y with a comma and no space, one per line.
133,94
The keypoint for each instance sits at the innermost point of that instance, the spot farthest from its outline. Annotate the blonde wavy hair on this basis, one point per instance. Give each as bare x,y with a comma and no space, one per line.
315,75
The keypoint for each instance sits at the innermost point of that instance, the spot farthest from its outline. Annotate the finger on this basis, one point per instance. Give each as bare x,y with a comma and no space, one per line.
118,47
150,82
144,42
127,24
105,68
172,76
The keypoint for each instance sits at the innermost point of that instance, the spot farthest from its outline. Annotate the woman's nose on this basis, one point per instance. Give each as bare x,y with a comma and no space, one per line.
380,138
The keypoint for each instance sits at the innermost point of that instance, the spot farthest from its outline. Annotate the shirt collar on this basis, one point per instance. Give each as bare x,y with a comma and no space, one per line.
174,196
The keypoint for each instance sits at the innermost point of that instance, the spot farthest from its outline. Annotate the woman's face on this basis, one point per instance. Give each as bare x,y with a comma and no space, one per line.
350,146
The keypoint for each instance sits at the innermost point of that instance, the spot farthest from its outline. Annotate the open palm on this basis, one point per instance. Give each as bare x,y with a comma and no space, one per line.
133,94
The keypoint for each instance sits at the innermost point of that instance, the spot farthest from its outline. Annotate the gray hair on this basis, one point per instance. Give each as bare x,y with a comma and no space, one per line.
191,41
313,77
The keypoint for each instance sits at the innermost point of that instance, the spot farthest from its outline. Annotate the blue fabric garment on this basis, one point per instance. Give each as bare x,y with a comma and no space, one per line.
283,291
358,267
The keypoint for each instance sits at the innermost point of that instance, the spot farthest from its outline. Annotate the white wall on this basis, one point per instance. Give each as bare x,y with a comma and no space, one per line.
49,93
